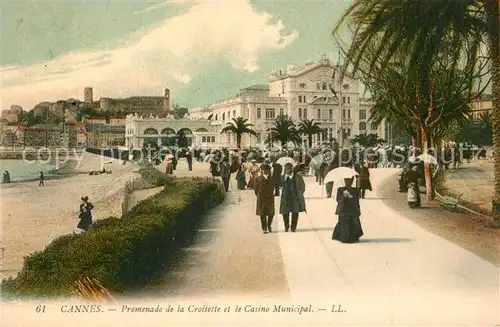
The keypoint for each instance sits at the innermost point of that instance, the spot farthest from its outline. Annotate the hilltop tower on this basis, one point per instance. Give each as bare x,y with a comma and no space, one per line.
88,95
166,101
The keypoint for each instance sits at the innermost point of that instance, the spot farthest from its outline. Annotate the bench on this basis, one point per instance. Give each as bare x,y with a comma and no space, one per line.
451,201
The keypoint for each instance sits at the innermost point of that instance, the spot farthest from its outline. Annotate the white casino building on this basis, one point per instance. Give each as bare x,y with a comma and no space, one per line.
301,93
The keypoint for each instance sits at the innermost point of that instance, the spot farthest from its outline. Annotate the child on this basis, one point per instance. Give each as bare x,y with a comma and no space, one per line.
412,197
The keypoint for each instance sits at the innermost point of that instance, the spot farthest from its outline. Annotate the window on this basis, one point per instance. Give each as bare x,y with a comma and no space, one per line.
318,86
216,116
330,114
234,113
362,126
374,126
258,113
204,139
362,114
213,139
343,113
302,85
324,87
223,116
348,113
348,99
270,113
282,112
348,132
343,99
305,113
318,114
300,113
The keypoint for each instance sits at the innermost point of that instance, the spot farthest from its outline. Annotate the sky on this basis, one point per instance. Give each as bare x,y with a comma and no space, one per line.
203,51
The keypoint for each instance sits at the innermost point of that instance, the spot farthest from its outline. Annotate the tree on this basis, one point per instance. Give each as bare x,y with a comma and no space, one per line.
424,29
239,126
309,127
283,131
367,140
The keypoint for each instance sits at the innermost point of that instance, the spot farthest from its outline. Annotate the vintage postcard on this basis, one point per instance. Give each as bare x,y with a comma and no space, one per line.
250,163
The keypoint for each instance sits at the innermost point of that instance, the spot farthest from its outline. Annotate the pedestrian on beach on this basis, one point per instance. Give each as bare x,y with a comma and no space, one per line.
42,179
292,197
348,228
264,190
225,172
85,214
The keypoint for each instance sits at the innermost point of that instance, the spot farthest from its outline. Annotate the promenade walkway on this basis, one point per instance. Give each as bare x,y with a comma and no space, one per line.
399,274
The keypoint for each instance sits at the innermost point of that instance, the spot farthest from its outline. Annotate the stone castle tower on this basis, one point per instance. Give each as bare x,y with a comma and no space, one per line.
88,96
166,101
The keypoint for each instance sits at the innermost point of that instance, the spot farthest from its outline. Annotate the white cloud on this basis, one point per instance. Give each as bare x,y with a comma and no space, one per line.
169,55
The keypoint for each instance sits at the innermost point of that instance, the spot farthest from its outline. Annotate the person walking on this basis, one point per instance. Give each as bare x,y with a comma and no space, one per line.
241,178
42,179
412,178
277,171
189,158
363,180
292,197
264,190
348,228
253,171
225,173
85,214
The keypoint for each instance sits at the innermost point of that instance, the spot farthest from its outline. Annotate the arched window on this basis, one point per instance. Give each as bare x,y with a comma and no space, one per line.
362,126
325,86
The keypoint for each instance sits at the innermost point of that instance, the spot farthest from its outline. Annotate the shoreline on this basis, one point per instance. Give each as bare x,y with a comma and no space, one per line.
34,216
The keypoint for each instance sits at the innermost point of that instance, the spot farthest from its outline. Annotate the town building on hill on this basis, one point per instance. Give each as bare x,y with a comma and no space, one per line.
301,93
159,105
50,135
12,115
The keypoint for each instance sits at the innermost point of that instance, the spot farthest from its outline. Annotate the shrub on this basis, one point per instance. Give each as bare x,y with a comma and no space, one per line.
152,175
122,254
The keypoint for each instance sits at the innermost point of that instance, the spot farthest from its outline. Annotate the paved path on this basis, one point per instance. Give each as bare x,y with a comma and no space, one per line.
399,274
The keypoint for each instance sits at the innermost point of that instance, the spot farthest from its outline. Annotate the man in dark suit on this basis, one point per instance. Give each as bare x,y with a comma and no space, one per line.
277,171
264,190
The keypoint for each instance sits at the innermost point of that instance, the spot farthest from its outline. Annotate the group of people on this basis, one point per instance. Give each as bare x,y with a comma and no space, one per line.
268,180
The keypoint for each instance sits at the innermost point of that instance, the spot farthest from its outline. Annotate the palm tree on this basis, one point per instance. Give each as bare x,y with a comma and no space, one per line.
309,127
425,31
367,140
239,126
283,131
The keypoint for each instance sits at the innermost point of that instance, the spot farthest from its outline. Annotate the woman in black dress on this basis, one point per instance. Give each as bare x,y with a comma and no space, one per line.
348,228
85,214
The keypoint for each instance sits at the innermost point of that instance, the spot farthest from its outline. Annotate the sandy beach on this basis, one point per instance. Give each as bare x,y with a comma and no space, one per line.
33,216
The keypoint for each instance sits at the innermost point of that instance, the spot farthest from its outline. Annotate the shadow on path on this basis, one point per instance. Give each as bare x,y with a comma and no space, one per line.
464,230
384,240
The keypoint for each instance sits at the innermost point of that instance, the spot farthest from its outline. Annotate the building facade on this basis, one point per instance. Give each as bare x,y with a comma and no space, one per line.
164,132
136,104
301,93
483,104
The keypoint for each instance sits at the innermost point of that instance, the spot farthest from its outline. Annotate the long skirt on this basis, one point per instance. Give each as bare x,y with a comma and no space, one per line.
241,184
348,229
85,222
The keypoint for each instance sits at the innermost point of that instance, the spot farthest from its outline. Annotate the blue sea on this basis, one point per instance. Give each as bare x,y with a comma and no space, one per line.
21,170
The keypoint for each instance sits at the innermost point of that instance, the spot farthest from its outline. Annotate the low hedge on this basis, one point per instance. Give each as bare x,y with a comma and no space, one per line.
123,254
